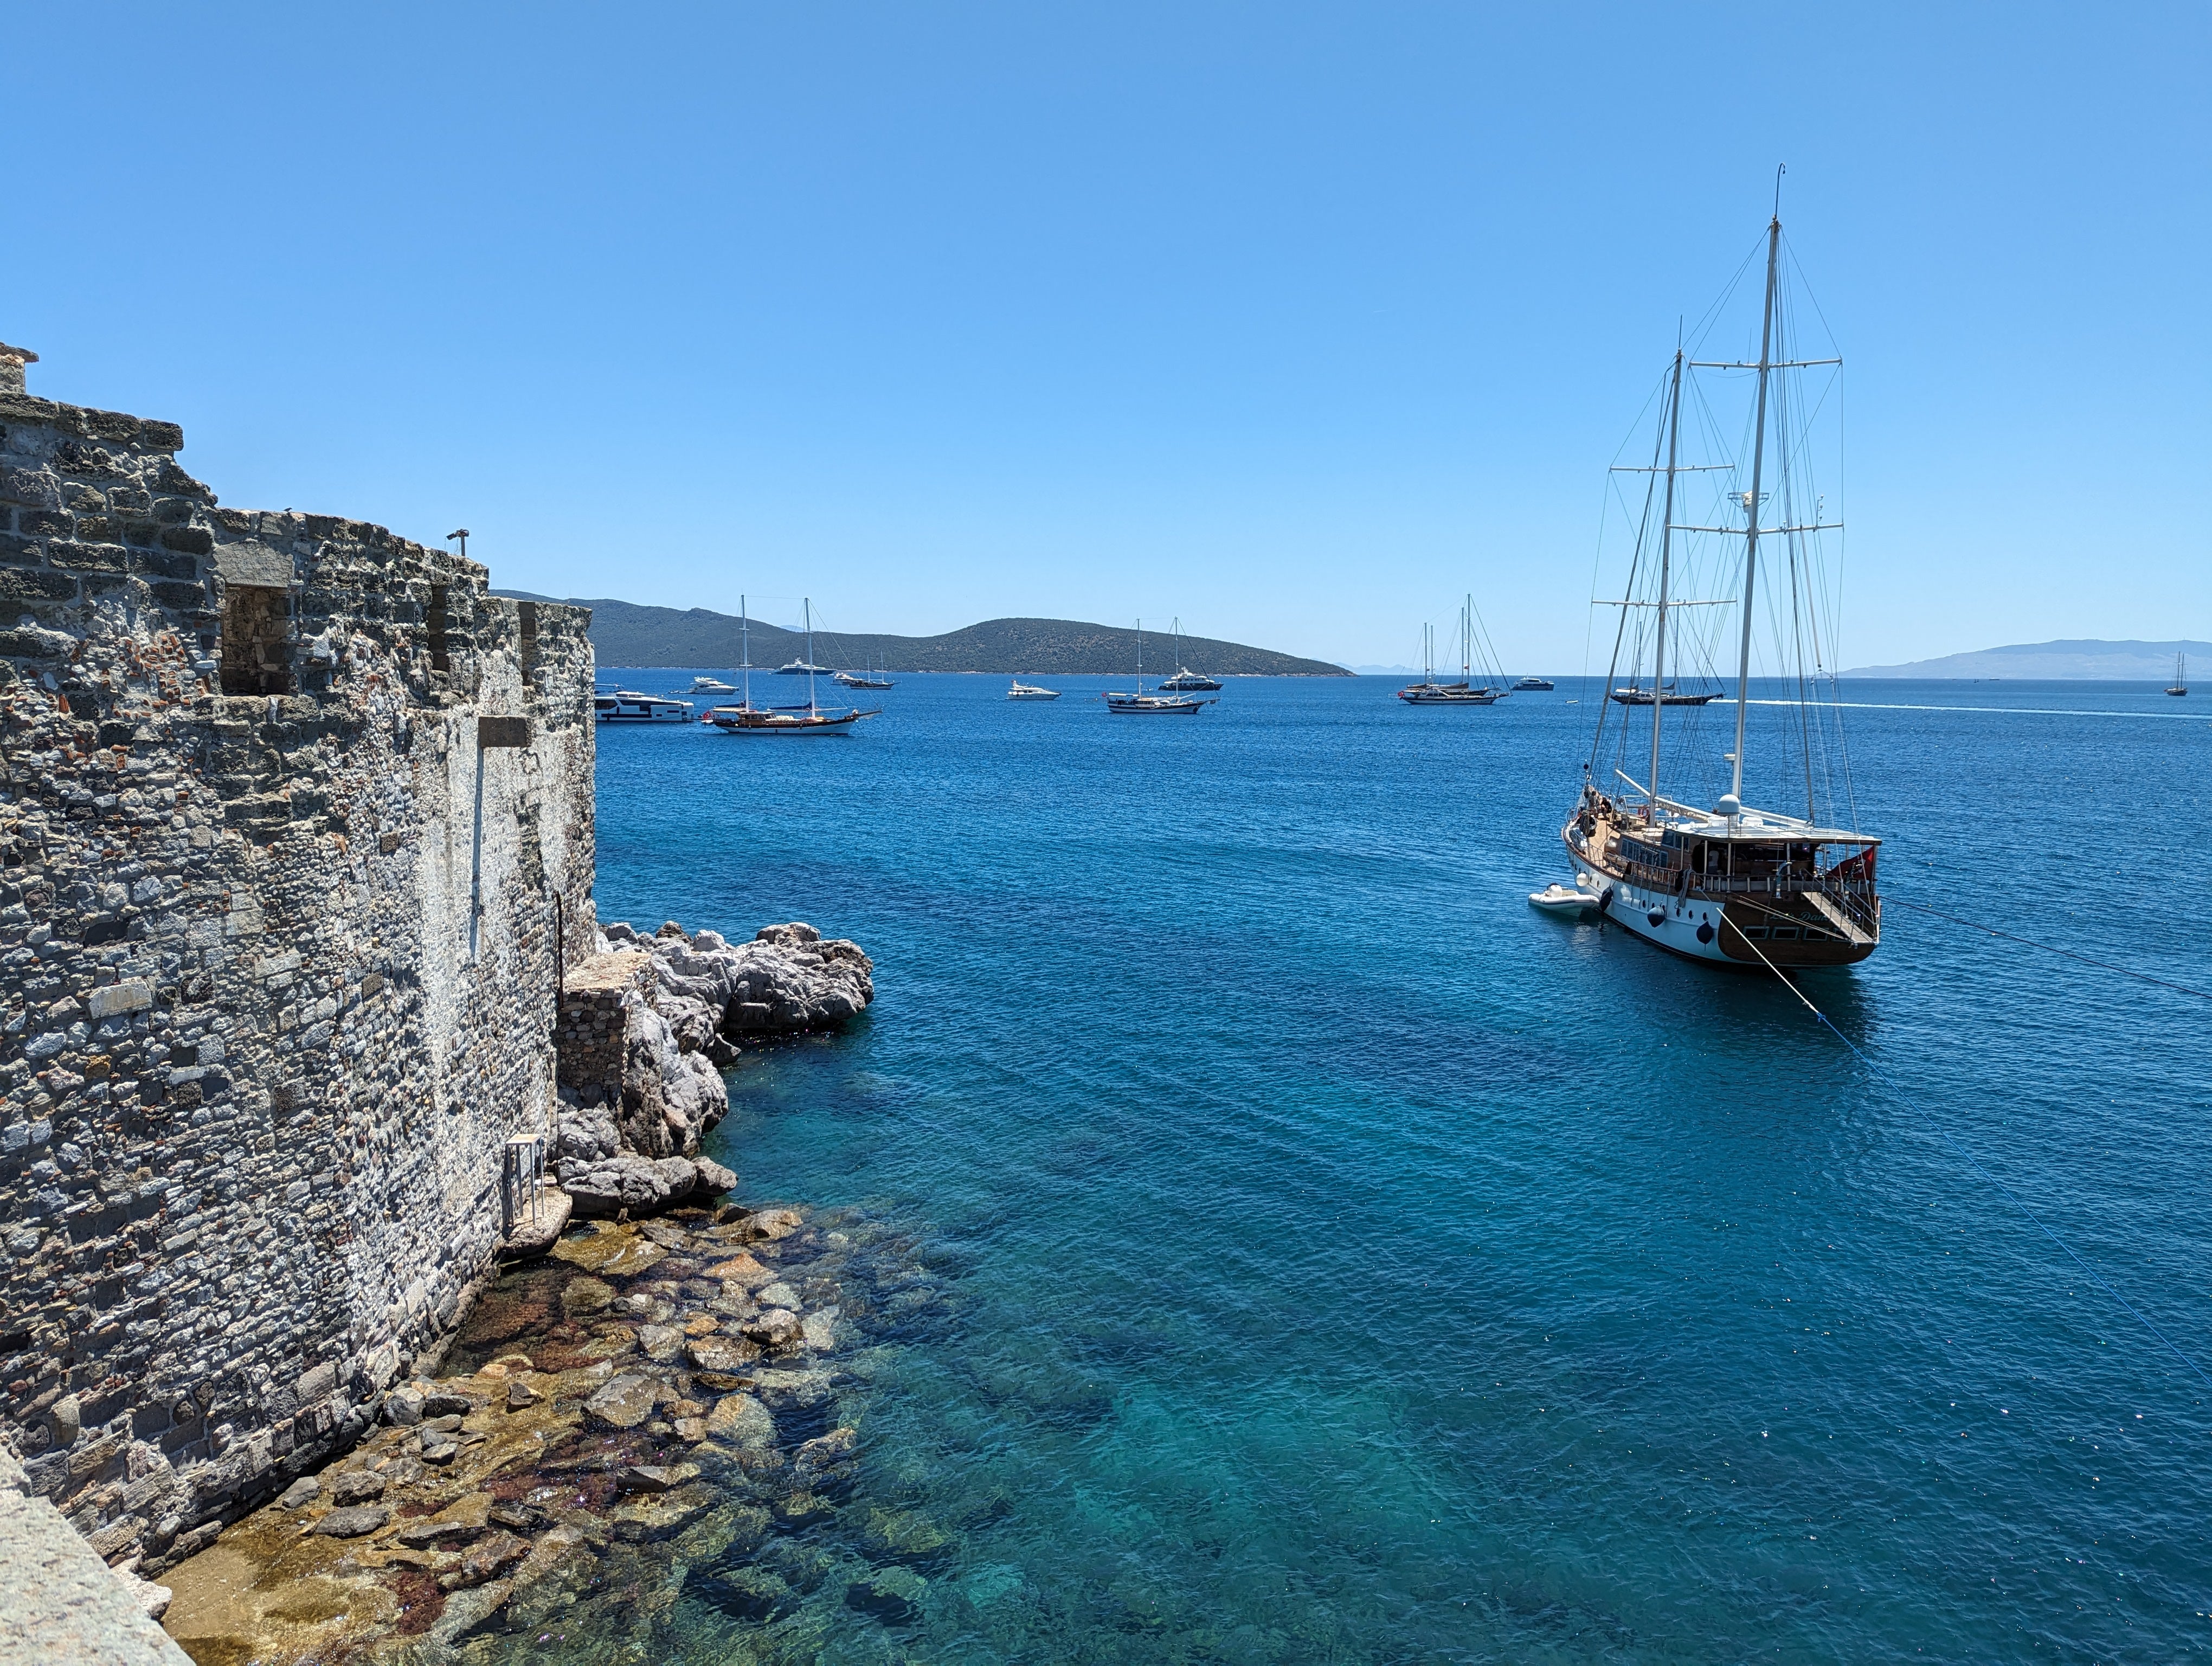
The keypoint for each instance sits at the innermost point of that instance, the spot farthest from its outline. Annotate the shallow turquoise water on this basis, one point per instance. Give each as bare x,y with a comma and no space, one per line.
1345,1263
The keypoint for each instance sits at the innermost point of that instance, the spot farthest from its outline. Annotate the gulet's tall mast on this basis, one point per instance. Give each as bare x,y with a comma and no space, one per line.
810,656
1752,500
1666,552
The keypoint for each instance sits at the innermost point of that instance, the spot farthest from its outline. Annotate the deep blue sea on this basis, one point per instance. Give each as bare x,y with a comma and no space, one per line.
1341,1261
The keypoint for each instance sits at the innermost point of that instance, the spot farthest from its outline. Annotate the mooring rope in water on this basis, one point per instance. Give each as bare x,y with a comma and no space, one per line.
1889,1082
2048,948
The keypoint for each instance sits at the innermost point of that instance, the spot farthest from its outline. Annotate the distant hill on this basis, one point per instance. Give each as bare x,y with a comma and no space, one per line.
2126,662
624,634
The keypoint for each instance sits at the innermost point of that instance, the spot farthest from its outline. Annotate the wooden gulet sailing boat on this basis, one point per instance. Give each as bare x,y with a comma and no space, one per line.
745,718
1141,704
2180,676
1430,692
1732,886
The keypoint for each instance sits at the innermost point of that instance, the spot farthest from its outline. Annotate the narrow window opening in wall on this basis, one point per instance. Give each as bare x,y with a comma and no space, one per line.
436,622
529,611
254,656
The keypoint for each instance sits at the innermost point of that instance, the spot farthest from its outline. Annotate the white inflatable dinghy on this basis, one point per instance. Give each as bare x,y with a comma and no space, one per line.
1556,898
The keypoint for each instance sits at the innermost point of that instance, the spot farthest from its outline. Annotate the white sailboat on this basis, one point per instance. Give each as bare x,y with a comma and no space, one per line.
1729,884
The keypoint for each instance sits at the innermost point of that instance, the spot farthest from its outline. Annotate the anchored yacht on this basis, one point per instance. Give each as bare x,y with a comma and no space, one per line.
746,718
1729,884
1141,704
629,706
1465,692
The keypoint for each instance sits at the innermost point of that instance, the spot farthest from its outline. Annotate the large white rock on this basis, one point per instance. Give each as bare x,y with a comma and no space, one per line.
789,977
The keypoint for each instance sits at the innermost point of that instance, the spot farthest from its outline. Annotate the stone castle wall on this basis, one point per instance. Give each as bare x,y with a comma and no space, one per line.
291,811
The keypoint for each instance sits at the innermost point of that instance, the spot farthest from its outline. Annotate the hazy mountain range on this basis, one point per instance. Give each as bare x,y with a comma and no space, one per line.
625,634
2131,662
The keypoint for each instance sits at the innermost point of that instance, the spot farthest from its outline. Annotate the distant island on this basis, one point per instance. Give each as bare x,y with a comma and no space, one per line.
625,634
2119,662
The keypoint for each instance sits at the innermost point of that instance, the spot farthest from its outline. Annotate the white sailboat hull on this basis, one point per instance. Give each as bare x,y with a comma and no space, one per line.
1669,922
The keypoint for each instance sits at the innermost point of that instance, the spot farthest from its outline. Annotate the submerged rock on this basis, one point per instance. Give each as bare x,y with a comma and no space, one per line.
624,1402
485,1560
905,1535
774,1328
746,1593
356,1486
658,1477
352,1523
723,1355
586,1296
894,1593
652,1516
740,1421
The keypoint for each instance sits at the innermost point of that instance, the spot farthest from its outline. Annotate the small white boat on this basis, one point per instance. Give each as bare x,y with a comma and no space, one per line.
1022,691
1556,898
710,685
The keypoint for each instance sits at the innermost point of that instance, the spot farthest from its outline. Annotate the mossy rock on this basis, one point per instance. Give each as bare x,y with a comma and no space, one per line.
745,1593
586,1295
890,1593
907,1536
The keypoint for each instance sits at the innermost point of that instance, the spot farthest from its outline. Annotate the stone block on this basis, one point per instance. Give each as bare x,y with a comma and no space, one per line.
87,557
129,996
170,592
19,584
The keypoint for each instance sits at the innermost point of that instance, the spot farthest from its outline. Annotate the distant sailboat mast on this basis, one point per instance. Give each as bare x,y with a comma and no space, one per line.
745,650
810,655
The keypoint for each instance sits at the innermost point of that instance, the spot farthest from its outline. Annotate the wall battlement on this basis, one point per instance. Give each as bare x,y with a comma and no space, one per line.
291,810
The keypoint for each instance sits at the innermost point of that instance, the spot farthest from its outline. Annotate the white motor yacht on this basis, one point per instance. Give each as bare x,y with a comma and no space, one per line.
629,706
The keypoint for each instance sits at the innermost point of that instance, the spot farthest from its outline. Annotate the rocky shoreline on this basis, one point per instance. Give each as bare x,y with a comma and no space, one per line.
646,1442
655,1399
628,1140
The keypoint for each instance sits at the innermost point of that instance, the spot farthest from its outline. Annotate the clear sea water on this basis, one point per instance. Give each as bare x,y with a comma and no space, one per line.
1344,1262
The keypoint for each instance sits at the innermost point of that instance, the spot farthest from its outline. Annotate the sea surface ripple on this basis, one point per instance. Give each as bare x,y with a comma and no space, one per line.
1346,1263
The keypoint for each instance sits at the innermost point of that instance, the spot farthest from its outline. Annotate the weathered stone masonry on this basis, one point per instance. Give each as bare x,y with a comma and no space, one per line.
289,811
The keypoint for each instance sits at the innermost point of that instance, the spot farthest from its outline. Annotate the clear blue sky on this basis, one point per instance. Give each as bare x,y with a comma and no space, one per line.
1293,320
